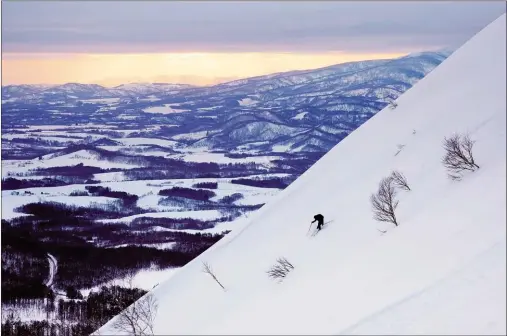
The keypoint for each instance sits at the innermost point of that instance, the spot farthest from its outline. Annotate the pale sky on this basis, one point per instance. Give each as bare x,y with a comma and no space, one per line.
207,42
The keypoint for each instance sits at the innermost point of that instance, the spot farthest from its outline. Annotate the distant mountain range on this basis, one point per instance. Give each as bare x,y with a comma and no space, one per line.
70,90
297,111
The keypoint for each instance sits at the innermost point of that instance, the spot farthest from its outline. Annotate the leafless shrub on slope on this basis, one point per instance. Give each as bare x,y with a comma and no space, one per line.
383,201
138,318
400,148
206,268
458,156
280,269
400,180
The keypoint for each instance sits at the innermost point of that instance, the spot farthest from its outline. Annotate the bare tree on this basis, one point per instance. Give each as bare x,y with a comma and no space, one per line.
393,104
281,269
400,148
384,203
458,157
138,318
206,268
400,180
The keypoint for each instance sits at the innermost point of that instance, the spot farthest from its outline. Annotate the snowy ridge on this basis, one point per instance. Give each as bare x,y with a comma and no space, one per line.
447,255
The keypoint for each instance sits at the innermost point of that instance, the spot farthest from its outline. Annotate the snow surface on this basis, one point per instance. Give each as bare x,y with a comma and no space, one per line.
247,102
101,100
200,214
300,116
158,246
86,157
166,108
146,141
442,270
145,279
150,98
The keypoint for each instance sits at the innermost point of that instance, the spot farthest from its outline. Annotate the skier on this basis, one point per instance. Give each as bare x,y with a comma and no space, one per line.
320,221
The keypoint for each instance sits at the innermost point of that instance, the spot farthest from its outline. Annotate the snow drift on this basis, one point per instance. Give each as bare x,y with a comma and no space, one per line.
442,270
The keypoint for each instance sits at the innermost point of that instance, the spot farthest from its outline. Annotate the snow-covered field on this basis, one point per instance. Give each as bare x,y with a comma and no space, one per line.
85,157
67,127
441,271
236,224
166,108
247,102
300,116
101,100
202,215
159,246
145,279
149,98
147,190
146,141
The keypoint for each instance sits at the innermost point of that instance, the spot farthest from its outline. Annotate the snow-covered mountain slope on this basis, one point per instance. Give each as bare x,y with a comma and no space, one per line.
442,270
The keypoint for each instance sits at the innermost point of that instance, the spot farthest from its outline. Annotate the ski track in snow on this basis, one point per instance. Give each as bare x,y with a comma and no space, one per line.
53,269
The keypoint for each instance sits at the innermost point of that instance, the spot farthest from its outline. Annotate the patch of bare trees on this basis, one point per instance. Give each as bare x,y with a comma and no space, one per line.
206,268
280,269
138,318
383,201
400,180
458,156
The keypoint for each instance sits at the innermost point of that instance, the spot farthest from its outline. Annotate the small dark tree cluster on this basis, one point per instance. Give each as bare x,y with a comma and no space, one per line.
280,269
79,193
383,201
458,156
267,183
73,293
128,199
196,194
230,199
206,185
13,183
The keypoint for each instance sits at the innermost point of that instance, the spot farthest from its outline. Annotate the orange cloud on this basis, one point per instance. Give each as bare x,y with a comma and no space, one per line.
192,68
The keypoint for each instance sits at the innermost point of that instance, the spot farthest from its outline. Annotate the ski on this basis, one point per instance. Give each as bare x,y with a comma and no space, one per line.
323,226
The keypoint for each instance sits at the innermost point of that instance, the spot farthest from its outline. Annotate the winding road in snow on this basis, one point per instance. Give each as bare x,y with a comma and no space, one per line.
53,268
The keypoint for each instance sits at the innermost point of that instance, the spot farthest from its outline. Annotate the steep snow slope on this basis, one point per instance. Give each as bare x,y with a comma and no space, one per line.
441,271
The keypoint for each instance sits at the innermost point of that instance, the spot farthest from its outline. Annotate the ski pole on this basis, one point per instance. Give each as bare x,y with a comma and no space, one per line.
309,228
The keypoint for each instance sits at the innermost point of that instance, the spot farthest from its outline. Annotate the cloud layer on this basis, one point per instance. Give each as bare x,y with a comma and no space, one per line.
144,27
